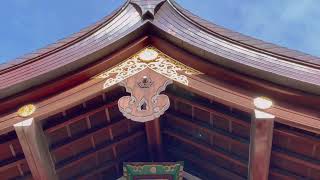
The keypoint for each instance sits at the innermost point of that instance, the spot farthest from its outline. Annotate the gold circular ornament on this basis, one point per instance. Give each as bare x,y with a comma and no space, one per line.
153,170
148,55
26,110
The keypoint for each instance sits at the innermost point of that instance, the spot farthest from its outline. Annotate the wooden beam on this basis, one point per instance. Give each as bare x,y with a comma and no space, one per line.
80,117
73,79
204,147
280,130
211,110
153,132
107,165
277,173
12,163
90,134
81,157
239,98
174,119
205,164
260,145
235,78
203,84
35,149
303,161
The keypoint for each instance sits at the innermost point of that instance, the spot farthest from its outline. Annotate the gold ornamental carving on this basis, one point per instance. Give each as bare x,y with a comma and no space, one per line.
153,59
26,110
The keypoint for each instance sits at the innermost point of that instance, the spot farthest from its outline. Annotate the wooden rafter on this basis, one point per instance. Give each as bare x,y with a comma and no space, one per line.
113,163
206,148
277,153
228,137
204,164
78,118
232,77
210,110
88,134
280,131
13,163
100,149
203,84
306,162
237,98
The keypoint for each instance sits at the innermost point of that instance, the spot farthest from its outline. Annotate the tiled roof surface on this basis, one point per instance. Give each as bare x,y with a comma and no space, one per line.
250,55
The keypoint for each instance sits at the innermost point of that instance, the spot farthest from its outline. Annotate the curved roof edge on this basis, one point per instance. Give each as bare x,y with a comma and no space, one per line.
270,48
60,44
248,41
216,44
227,34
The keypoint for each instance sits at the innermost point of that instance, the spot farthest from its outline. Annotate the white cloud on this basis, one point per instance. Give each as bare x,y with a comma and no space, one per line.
290,23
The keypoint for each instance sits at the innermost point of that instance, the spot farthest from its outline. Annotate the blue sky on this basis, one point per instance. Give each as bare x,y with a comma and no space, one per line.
28,25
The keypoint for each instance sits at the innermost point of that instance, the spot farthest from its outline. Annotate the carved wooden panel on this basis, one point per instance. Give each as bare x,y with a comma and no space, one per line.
145,103
145,75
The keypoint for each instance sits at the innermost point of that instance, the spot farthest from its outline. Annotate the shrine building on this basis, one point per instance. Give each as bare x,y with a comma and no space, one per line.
153,91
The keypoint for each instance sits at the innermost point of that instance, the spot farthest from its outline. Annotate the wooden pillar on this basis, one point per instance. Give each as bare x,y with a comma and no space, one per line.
35,149
260,145
154,140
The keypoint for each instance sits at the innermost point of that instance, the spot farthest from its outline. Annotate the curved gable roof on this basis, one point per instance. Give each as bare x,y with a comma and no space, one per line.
205,39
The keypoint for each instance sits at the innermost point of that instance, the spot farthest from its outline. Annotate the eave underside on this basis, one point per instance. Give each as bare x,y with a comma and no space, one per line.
88,137
92,139
292,107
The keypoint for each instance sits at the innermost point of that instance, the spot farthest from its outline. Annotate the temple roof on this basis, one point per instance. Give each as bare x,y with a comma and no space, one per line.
152,82
164,18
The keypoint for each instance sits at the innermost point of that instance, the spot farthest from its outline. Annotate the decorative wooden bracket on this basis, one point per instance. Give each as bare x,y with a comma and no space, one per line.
145,75
145,103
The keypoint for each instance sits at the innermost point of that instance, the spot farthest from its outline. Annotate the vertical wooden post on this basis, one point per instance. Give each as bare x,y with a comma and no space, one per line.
260,145
35,149
154,139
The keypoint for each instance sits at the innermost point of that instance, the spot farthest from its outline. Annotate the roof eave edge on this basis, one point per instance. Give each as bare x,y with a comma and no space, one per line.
251,47
68,44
